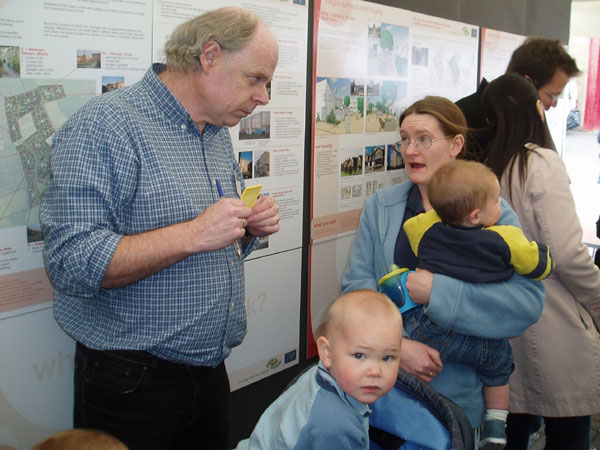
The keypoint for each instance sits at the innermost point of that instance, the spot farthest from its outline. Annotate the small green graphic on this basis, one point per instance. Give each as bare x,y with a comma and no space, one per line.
273,363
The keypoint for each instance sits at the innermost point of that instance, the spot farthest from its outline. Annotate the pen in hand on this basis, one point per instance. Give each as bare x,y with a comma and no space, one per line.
236,244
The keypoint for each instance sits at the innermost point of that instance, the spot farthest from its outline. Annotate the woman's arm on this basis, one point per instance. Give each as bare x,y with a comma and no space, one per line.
360,272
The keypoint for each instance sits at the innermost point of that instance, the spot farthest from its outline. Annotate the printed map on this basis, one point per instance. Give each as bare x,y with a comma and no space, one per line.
31,111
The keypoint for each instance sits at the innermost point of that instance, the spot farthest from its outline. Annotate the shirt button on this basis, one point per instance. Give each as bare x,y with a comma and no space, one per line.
183,126
232,263
232,305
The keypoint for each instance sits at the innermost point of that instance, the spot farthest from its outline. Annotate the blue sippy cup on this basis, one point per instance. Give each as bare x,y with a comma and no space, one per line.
394,286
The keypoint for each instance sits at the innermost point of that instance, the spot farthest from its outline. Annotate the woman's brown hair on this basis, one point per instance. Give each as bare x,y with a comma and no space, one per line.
451,119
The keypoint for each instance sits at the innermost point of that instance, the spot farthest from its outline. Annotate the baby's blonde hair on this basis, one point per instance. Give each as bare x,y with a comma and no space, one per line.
458,188
362,301
78,439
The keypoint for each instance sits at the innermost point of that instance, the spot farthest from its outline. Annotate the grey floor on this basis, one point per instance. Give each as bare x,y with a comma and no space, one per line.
581,157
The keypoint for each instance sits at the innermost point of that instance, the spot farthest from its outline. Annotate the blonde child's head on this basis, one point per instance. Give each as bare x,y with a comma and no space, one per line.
465,193
361,344
79,438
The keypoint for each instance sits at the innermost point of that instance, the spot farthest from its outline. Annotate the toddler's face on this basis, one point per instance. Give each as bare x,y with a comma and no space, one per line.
365,357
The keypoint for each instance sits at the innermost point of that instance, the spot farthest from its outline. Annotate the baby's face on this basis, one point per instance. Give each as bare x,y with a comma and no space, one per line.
490,213
365,357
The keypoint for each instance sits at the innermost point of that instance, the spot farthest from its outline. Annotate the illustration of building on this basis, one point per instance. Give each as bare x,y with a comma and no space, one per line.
325,100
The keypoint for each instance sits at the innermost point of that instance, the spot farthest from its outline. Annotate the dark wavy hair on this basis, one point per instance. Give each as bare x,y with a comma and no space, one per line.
540,58
510,106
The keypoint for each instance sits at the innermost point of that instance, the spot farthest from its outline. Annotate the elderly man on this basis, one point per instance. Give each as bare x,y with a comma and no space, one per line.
146,234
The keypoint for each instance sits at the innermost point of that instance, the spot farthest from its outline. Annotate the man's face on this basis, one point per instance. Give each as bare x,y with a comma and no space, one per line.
550,91
238,83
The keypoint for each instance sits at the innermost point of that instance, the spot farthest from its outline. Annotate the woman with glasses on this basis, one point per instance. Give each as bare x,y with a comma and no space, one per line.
557,360
432,133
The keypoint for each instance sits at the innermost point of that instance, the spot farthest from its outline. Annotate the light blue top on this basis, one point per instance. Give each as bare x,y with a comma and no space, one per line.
312,414
130,161
492,310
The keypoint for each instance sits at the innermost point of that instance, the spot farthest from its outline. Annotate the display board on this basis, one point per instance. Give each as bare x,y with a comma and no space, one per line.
372,61
54,57
270,142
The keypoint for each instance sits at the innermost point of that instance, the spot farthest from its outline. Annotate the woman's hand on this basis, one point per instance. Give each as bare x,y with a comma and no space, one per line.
419,285
419,359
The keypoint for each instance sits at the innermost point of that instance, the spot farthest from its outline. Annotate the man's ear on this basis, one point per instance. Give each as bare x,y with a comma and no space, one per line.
324,350
210,52
473,217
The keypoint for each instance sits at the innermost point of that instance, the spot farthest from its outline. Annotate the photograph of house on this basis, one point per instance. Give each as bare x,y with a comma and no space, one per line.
394,158
112,83
245,160
374,158
256,126
261,163
89,59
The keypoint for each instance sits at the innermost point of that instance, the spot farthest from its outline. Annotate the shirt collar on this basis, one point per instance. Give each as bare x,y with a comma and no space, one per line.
362,408
166,102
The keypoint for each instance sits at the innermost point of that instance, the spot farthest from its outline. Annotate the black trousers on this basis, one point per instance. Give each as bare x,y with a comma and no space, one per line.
562,433
149,403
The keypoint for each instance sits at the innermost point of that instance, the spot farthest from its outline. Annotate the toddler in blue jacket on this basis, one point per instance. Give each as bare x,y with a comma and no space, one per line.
328,406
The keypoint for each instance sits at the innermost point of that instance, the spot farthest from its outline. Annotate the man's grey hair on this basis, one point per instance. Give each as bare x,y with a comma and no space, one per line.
231,28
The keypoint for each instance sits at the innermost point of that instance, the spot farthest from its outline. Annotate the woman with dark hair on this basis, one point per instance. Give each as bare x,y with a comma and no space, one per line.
432,133
557,360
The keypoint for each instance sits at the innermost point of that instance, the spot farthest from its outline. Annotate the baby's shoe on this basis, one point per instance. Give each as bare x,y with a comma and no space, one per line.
493,435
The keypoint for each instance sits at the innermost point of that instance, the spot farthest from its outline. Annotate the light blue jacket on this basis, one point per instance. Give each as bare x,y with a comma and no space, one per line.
312,414
492,310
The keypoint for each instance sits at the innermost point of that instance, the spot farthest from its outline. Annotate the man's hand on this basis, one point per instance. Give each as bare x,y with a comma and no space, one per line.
219,225
419,359
419,286
264,219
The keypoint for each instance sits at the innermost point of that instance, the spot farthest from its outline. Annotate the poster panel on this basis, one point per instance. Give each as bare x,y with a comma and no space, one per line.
36,379
371,62
273,309
54,57
269,143
496,49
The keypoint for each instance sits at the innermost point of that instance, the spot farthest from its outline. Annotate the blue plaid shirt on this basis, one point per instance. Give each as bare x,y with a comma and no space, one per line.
127,162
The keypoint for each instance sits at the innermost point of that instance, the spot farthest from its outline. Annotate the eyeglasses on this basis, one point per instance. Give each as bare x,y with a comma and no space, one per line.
551,95
424,142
